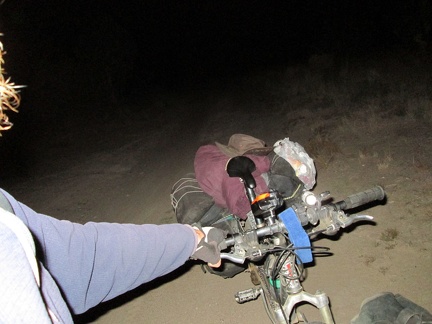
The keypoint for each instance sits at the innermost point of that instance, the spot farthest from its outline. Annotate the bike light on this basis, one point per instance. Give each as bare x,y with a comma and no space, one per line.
309,198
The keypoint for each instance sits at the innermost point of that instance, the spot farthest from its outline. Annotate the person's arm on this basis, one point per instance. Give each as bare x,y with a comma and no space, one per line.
96,262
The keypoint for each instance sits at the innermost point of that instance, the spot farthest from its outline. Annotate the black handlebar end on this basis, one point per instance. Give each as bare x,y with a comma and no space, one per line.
361,198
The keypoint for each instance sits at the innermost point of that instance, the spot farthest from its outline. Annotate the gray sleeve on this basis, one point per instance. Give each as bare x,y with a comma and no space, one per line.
95,262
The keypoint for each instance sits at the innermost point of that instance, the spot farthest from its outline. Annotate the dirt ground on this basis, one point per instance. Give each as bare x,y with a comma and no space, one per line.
123,172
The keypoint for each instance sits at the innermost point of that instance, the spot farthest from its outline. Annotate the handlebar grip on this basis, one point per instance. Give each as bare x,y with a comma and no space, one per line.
361,198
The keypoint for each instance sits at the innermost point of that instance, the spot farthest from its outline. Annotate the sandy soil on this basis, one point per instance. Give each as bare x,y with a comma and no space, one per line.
123,172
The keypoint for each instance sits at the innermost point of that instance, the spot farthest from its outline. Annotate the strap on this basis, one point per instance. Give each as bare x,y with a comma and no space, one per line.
297,235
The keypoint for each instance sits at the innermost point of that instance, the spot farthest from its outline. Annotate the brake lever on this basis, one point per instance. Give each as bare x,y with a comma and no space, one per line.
240,254
339,221
232,258
354,219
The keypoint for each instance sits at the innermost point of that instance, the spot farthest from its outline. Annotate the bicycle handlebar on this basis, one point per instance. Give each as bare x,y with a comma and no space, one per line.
260,232
352,201
361,198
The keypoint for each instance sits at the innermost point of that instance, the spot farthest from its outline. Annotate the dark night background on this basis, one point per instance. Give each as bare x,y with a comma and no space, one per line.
106,54
120,94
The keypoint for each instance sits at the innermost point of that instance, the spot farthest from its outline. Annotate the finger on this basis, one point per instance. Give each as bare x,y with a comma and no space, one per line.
215,265
199,234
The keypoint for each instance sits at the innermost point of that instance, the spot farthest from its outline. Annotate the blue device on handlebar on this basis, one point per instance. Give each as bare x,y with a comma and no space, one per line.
297,235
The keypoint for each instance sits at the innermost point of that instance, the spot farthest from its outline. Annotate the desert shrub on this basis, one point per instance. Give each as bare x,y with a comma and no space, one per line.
395,84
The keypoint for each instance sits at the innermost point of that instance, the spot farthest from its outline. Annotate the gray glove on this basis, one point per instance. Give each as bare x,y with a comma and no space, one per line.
208,249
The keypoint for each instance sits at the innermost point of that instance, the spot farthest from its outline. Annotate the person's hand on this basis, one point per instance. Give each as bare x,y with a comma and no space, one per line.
211,242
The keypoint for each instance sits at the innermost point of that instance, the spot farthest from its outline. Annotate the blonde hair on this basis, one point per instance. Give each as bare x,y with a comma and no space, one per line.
9,95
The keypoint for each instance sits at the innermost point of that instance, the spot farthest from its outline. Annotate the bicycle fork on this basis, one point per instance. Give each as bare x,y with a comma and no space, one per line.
281,296
292,293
